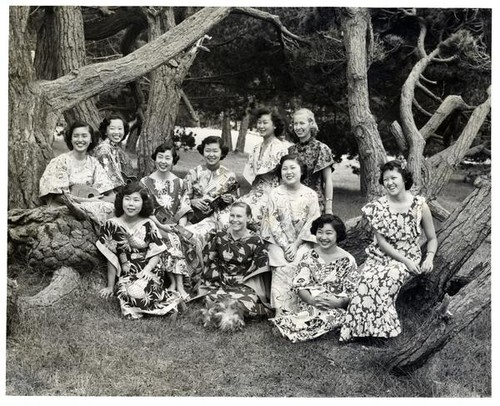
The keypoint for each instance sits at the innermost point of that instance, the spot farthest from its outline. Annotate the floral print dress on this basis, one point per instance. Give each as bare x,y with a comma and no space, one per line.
173,203
114,161
64,172
260,172
372,310
316,156
287,219
230,264
338,278
130,250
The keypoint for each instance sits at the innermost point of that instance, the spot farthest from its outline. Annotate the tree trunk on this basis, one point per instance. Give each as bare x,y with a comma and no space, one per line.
226,130
12,307
242,135
47,238
448,318
371,151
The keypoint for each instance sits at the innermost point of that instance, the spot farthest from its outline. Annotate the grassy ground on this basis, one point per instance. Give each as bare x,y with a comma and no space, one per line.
85,348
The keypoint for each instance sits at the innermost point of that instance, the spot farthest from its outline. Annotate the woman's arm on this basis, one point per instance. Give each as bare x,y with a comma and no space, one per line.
328,189
387,248
107,292
430,233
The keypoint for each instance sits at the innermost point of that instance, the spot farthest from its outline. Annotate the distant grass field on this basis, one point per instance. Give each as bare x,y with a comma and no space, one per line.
83,347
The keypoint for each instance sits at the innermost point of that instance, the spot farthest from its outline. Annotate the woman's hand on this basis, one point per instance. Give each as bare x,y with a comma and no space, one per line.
201,205
328,303
227,198
427,265
106,293
412,267
291,252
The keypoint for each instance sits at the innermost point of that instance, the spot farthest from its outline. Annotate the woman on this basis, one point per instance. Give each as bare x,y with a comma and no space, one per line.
172,208
393,257
260,170
211,188
286,226
132,246
316,156
234,261
77,179
110,153
326,277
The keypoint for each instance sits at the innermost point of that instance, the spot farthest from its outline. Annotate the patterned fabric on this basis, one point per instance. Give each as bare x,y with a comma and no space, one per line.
338,278
114,161
229,263
64,172
172,196
287,219
316,156
130,250
372,310
260,172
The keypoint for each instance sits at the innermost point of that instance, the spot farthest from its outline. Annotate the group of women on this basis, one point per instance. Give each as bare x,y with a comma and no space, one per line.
270,252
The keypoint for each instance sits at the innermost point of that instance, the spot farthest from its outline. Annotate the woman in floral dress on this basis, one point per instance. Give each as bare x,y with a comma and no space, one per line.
211,188
260,169
286,226
393,257
109,152
326,277
132,246
77,179
171,213
316,156
234,260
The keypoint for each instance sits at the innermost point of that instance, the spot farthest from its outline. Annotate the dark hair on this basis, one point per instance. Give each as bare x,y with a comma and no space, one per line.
275,118
243,205
399,166
213,139
107,121
163,148
77,124
292,157
127,190
337,224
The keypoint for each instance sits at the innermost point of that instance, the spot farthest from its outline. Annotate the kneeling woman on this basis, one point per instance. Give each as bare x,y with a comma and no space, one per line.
234,263
326,277
132,245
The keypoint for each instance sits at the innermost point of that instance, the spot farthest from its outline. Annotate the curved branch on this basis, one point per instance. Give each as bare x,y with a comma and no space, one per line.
113,23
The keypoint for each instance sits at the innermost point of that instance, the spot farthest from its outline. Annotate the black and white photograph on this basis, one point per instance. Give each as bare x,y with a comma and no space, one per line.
247,202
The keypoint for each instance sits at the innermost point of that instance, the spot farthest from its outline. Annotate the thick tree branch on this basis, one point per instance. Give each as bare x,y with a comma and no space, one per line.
190,108
113,23
398,134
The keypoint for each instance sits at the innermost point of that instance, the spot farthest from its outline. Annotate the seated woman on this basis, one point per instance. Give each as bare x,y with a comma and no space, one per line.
286,227
109,152
260,170
326,277
77,179
234,261
397,220
132,245
172,208
211,189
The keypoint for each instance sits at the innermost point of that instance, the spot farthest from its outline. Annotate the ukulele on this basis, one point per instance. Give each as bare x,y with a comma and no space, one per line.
86,191
216,204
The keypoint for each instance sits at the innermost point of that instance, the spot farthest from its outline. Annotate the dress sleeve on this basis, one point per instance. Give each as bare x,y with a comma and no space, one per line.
303,278
211,258
101,180
313,212
107,243
373,214
55,178
325,158
154,240
272,230
260,257
184,201
352,277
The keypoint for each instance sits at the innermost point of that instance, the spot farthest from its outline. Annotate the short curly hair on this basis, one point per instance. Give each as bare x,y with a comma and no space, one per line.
127,190
292,157
310,117
163,148
337,224
213,139
107,121
68,135
275,118
399,166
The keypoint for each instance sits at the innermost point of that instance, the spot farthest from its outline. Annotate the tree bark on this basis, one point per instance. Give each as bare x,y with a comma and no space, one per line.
371,151
12,307
226,130
447,319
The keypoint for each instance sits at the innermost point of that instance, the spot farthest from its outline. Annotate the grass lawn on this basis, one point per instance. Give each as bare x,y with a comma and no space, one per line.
84,347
